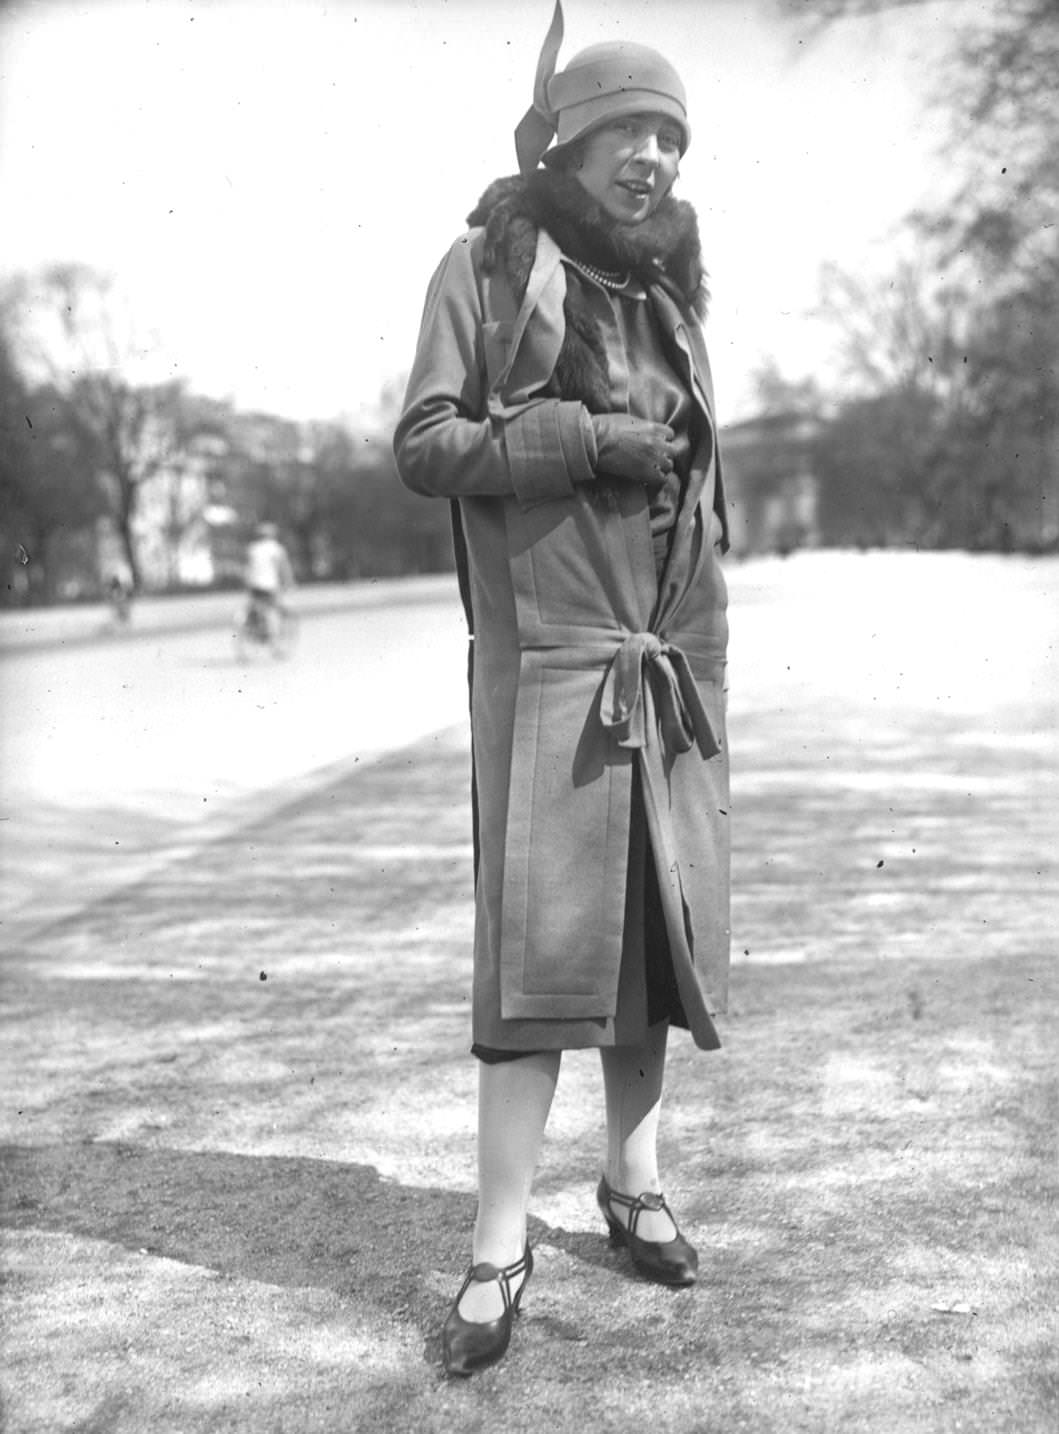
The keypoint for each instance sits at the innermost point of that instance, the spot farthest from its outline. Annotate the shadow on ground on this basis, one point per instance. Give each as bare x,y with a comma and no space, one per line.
273,1221
270,1220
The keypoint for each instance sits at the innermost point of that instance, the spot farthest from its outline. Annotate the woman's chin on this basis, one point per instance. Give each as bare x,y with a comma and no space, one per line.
626,208
625,213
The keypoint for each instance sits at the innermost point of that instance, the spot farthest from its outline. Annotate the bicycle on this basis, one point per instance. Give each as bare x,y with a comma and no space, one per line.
265,623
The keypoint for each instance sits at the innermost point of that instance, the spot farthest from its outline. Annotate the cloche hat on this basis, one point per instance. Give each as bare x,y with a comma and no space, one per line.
599,84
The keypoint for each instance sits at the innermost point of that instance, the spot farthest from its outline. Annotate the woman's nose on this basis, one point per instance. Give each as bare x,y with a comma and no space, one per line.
648,149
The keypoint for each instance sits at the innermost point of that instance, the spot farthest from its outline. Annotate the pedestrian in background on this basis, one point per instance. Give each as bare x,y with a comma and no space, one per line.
561,399
120,591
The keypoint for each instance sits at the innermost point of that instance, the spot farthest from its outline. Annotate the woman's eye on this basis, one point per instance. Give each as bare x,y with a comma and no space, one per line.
669,140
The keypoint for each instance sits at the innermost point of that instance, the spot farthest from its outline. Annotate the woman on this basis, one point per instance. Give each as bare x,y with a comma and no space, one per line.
561,398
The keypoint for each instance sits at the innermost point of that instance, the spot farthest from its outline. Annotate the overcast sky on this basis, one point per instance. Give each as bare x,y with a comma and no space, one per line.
274,183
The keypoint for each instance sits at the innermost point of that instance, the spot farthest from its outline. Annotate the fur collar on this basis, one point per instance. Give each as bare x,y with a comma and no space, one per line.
663,251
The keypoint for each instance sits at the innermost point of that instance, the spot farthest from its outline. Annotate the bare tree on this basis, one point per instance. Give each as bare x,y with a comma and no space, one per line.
76,335
1000,94
904,332
974,325
137,435
44,494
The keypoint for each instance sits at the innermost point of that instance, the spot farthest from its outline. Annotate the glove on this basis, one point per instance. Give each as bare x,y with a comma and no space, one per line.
634,450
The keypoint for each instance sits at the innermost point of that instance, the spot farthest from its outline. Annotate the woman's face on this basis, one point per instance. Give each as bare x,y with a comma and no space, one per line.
629,165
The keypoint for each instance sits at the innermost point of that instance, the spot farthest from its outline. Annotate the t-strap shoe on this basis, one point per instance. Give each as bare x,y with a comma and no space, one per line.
467,1345
669,1262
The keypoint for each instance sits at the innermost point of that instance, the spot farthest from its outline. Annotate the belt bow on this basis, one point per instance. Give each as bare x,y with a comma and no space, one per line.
670,692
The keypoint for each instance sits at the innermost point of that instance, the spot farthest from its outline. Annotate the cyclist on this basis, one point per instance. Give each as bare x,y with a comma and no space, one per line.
268,577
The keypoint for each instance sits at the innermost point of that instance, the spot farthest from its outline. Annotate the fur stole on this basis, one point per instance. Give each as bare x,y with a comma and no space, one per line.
663,250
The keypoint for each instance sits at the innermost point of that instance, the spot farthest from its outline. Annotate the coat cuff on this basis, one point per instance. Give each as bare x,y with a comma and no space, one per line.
548,451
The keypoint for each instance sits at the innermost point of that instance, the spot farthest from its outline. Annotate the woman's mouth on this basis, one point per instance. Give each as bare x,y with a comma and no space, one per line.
638,188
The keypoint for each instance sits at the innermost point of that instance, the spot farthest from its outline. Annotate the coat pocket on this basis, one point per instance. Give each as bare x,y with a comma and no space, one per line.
566,851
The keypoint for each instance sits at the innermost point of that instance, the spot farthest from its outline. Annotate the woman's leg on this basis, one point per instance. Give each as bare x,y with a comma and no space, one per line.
514,1098
632,1081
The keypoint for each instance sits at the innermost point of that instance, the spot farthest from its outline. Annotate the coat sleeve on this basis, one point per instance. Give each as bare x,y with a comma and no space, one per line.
454,438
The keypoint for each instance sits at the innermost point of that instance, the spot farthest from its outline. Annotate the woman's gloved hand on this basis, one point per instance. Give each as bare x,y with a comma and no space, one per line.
634,449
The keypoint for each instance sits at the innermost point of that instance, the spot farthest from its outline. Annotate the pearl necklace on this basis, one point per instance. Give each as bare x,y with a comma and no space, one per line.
609,280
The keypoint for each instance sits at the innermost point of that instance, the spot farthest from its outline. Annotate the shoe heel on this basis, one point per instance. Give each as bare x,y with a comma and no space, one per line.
669,1262
615,1229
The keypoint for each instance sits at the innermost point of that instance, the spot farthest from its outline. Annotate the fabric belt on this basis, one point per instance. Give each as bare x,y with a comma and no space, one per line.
646,667
649,684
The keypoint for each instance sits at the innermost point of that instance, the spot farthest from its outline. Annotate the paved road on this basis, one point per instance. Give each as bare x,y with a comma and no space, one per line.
117,751
39,629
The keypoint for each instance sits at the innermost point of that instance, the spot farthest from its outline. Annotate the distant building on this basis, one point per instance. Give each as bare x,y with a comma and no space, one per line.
773,493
